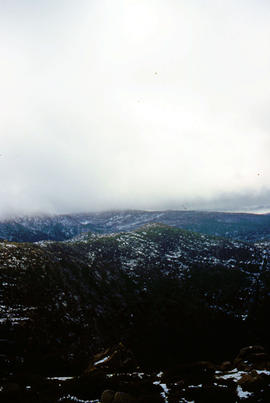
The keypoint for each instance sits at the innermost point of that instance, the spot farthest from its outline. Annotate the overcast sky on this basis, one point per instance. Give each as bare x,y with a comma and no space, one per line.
133,103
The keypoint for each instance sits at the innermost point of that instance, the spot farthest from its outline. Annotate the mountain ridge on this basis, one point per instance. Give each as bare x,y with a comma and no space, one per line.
242,226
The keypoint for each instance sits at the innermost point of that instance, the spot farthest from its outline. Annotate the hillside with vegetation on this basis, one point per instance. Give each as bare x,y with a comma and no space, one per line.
170,296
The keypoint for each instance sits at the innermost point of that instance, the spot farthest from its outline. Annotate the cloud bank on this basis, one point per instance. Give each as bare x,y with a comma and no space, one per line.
133,104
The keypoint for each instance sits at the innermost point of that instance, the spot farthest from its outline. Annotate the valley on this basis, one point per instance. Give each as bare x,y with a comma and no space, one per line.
180,302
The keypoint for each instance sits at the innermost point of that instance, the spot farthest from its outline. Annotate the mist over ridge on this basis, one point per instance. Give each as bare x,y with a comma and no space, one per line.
134,104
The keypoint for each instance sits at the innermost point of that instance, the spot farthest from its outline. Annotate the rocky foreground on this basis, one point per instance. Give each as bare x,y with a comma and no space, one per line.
114,376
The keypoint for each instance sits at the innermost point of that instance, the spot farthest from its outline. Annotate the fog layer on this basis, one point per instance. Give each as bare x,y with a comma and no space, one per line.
133,104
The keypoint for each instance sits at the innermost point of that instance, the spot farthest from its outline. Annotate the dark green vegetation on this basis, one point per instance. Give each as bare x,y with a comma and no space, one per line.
172,296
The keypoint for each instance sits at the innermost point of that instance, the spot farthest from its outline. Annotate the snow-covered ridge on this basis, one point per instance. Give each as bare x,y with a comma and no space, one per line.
62,227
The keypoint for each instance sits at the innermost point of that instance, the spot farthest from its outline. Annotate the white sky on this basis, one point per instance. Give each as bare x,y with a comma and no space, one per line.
132,103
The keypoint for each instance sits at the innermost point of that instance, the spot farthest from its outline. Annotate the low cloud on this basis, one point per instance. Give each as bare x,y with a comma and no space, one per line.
133,104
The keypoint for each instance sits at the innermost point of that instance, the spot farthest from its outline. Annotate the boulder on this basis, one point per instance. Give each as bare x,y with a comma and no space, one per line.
107,396
252,357
194,373
116,358
246,352
226,366
92,383
122,397
211,394
254,382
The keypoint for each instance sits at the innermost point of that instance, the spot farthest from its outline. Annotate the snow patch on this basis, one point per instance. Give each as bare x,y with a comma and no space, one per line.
101,361
75,399
241,393
165,390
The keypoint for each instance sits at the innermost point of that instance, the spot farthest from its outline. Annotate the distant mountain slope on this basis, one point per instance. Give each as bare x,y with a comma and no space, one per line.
247,227
34,229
